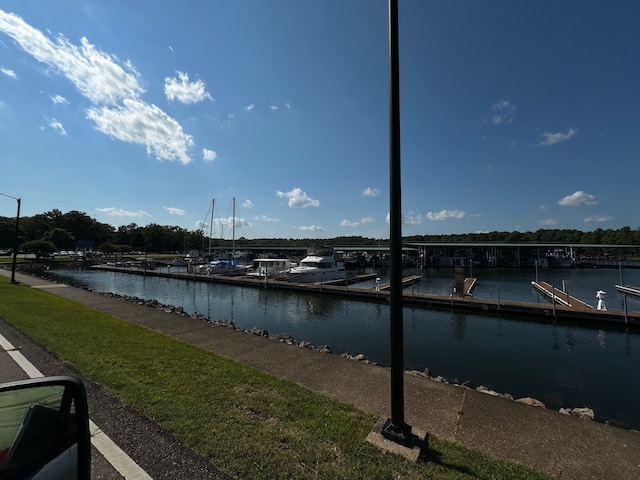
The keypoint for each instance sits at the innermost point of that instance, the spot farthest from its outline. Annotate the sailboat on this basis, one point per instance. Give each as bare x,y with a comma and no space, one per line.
225,266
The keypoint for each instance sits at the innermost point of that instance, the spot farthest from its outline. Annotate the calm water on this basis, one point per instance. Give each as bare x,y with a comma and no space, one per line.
560,364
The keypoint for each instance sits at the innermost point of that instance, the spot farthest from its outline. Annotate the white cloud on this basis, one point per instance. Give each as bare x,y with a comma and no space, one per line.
349,223
248,204
248,108
264,218
412,219
228,222
549,138
209,155
118,212
57,126
174,211
502,112
273,107
577,199
110,85
138,122
298,199
311,228
408,219
370,192
543,208
598,218
180,89
548,222
58,99
363,221
8,72
288,105
446,215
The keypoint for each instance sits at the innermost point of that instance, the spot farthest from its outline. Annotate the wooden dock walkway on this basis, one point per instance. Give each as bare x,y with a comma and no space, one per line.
559,296
406,281
527,310
469,285
630,289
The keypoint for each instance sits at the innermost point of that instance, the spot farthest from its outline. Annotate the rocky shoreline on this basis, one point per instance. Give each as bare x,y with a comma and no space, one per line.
580,412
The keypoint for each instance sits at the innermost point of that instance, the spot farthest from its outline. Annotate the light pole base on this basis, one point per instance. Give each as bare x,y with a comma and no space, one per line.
409,442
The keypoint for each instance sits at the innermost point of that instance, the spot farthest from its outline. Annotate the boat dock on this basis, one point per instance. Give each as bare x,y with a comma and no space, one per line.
469,285
558,296
351,280
406,281
629,289
527,310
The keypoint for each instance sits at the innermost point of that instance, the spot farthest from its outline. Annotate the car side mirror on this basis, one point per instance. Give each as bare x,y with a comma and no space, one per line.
44,430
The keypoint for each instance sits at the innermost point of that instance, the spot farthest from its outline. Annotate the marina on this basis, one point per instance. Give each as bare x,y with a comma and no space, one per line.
561,362
563,306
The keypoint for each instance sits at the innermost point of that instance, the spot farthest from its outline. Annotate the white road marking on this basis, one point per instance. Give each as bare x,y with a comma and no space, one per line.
107,448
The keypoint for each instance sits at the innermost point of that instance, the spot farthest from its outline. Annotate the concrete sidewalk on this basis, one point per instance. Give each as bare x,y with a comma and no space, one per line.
556,444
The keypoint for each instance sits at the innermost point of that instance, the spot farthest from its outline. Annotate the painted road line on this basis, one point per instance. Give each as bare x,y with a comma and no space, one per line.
107,448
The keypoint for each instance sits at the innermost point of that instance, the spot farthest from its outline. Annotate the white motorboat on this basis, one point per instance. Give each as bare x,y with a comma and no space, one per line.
318,266
270,267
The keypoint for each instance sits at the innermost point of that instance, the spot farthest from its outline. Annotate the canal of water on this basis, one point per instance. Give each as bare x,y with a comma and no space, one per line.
561,364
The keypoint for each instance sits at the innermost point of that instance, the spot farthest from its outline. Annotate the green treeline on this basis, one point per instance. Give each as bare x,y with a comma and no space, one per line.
54,230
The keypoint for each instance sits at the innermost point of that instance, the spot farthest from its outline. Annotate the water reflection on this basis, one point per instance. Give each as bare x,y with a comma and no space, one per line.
459,324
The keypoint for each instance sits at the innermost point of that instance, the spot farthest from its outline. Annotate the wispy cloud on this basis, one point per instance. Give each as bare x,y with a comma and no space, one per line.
175,211
118,212
408,218
273,107
264,218
110,85
57,126
298,199
248,204
577,199
209,155
229,221
311,228
502,112
446,215
248,108
8,72
598,218
59,99
548,138
179,88
370,192
363,221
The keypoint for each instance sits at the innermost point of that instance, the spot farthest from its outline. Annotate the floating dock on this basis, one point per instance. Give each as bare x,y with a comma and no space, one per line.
527,310
629,289
559,296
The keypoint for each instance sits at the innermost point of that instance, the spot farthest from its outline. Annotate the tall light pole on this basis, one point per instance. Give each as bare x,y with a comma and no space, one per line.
16,242
395,428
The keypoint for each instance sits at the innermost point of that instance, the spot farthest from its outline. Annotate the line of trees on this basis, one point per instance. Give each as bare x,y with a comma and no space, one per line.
54,230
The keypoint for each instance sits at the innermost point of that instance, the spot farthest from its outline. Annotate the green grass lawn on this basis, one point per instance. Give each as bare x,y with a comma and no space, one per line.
250,424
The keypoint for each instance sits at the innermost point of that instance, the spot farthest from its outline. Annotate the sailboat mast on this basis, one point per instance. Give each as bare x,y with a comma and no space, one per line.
213,202
233,241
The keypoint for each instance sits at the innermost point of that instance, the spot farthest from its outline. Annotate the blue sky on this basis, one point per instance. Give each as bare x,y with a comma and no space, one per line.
515,115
